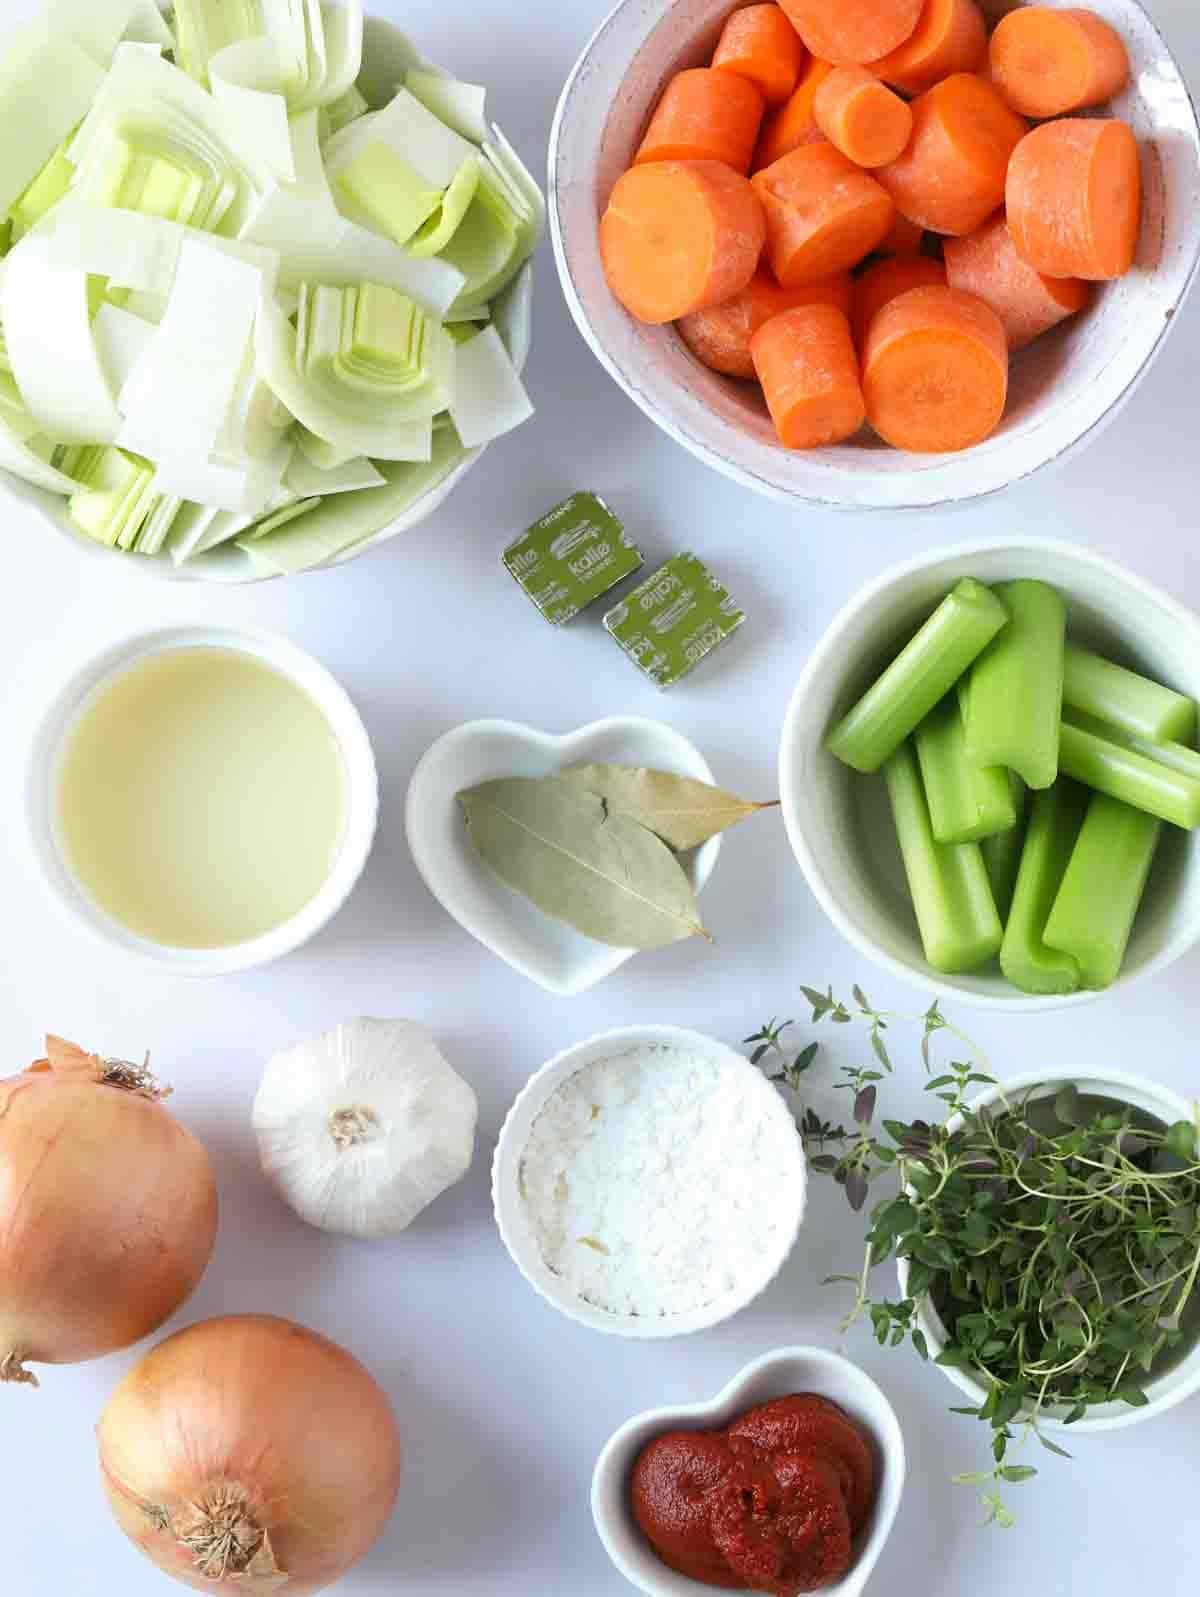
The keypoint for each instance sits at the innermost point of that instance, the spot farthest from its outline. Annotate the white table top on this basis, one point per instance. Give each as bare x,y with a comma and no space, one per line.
503,1404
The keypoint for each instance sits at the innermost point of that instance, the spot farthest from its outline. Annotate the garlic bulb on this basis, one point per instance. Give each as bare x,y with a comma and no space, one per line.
364,1127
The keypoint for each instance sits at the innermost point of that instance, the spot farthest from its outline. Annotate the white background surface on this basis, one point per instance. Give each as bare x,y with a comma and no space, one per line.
504,1405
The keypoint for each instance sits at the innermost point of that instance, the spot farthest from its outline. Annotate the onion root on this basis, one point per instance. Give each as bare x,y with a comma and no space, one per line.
13,1371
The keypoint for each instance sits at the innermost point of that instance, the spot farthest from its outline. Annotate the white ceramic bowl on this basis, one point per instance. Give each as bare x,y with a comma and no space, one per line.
387,55
1062,389
1177,1384
779,1374
513,1220
838,822
362,795
559,959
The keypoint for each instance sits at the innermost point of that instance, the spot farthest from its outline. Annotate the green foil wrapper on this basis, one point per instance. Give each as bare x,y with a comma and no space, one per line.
573,556
674,619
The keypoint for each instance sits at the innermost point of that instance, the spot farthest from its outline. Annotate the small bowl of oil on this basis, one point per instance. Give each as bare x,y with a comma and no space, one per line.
204,798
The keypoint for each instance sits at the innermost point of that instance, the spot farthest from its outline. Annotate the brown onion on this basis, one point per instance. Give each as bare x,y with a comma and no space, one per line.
108,1210
247,1454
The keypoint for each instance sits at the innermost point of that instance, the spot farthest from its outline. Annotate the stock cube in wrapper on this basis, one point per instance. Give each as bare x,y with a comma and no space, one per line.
573,556
674,619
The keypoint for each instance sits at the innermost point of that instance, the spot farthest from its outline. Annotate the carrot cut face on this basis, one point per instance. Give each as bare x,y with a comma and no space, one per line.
1047,62
705,116
950,37
935,371
679,236
880,284
823,213
849,32
987,265
1074,198
806,363
760,44
795,123
862,117
951,177
720,337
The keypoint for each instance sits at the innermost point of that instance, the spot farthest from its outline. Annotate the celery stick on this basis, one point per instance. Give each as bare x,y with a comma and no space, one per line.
966,802
1015,694
1002,851
956,633
1054,822
1175,756
1144,784
1122,699
1094,912
956,913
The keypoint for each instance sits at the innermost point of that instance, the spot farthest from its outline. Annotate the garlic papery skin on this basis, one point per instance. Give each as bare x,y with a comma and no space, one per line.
362,1128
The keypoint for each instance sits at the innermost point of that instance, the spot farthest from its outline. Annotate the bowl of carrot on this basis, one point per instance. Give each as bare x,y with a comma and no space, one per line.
876,254
990,774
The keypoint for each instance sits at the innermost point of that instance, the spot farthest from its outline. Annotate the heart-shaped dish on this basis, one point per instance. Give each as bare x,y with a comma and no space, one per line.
549,953
779,1374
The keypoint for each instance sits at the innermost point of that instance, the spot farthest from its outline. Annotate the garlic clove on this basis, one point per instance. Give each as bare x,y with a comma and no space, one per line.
362,1128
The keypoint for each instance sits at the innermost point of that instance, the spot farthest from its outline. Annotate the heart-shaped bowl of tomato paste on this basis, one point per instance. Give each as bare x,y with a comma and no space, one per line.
789,1372
555,956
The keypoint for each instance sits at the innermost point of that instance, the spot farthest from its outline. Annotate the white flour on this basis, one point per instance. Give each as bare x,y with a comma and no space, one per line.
655,1182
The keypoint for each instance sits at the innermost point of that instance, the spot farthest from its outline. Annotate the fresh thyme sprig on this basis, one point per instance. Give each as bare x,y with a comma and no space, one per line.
1057,1239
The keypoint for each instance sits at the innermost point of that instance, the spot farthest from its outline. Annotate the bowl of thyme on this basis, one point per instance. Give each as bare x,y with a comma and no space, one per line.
1046,1230
1053,1261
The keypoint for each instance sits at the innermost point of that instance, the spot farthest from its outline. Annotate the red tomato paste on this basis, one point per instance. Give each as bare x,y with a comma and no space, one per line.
769,1504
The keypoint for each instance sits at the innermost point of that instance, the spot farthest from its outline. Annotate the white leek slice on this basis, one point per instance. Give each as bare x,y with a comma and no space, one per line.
122,340
113,498
180,395
245,79
193,536
245,487
97,25
158,524
51,348
309,482
412,132
505,159
512,314
205,27
345,253
354,520
489,397
23,449
348,109
161,165
389,56
140,252
277,519
316,243
356,426
343,27
390,195
147,25
461,106
152,88
319,453
47,85
435,235
48,189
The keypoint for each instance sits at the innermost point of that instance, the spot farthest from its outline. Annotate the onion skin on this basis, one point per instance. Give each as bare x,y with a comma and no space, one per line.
247,1454
108,1211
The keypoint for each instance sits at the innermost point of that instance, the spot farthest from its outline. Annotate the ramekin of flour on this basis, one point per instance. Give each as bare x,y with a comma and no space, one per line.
649,1182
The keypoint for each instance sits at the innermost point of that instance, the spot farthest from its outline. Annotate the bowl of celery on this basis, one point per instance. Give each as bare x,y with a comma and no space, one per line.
264,283
990,776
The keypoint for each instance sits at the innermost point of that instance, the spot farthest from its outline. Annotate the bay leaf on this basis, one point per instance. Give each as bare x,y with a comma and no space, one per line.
680,810
559,846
